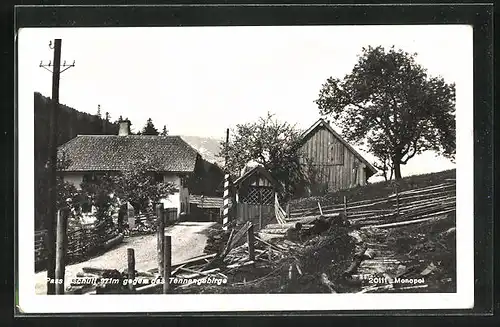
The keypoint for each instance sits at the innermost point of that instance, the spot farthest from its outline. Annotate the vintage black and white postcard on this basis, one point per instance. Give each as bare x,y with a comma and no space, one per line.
257,168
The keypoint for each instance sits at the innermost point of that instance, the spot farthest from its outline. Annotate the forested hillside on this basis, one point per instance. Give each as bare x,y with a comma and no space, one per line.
71,122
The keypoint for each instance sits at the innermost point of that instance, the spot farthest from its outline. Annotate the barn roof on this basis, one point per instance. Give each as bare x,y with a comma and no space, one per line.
114,153
321,122
256,169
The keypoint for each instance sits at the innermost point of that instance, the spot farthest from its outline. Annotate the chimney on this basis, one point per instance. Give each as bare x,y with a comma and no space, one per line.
124,128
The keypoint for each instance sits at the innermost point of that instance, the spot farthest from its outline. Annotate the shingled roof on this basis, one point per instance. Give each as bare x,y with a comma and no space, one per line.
115,153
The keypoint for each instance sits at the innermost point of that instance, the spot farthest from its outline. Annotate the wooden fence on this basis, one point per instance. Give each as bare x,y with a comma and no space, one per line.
83,239
150,217
280,214
426,201
40,250
258,215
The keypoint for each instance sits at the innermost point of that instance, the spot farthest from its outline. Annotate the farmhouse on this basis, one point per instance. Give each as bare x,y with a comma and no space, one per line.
333,162
176,161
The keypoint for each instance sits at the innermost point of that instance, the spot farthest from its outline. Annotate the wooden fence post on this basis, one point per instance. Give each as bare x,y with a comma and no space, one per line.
160,233
292,276
345,207
130,215
397,199
288,210
131,268
260,215
61,245
167,262
251,243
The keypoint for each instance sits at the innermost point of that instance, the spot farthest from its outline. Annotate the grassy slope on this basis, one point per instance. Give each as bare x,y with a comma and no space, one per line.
375,190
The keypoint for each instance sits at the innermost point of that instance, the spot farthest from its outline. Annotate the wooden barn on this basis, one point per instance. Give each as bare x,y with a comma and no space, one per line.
332,161
255,192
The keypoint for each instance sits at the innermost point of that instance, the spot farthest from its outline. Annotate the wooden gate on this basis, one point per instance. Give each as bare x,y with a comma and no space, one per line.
256,205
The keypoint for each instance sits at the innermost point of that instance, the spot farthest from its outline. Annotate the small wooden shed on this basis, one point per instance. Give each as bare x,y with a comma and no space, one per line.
336,163
255,193
206,208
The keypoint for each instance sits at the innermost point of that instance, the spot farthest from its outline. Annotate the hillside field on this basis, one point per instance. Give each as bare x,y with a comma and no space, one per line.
376,190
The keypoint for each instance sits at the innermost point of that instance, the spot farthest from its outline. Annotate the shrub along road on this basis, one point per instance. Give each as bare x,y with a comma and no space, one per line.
188,240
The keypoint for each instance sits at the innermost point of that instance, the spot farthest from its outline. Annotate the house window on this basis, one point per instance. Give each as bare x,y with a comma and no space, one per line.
183,180
89,177
258,195
158,178
92,177
86,207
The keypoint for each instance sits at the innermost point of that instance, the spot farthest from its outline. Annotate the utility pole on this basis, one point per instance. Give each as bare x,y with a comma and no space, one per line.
50,219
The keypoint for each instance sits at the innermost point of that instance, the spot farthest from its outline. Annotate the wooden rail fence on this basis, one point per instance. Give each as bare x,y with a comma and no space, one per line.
82,240
405,205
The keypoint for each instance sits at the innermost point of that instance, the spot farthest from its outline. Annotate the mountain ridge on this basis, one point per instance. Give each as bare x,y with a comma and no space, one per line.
208,147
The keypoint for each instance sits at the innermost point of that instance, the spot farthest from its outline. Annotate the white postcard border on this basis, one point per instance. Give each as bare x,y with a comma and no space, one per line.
31,303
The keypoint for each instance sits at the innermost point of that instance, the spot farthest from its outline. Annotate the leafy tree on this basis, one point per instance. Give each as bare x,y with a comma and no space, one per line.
64,189
150,128
141,186
100,193
389,103
164,132
272,144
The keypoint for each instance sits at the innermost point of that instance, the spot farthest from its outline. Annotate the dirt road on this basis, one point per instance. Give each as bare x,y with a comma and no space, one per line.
188,240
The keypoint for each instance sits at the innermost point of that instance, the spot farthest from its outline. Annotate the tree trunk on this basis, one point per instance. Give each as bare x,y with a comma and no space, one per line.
396,163
397,171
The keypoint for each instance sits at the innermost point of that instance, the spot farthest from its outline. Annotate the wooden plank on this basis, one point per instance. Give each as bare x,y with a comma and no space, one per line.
320,210
415,221
237,265
239,235
189,261
424,195
131,267
429,206
371,218
160,236
114,241
354,204
427,189
251,243
426,201
309,219
61,248
177,269
167,263
198,273
339,208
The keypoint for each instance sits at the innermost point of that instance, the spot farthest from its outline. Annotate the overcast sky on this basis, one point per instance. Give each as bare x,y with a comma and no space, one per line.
199,81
